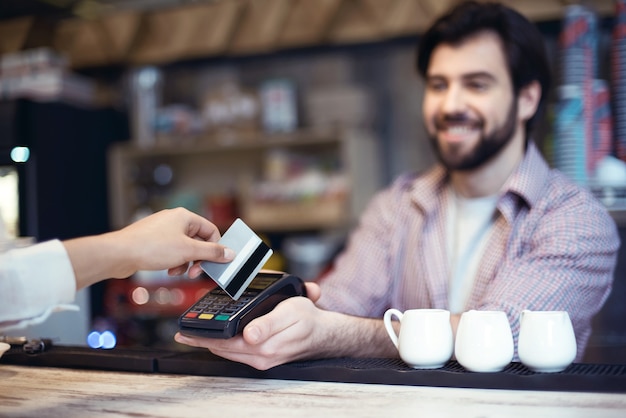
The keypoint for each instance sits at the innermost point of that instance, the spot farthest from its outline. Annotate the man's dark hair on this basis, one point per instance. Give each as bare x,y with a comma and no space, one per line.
522,43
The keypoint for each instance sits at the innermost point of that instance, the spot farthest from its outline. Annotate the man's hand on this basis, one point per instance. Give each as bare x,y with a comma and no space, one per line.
297,329
285,334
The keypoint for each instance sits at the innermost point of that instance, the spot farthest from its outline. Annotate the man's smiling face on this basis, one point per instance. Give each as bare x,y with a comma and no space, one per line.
469,107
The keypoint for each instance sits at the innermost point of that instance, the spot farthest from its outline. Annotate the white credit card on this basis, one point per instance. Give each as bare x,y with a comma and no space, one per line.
251,254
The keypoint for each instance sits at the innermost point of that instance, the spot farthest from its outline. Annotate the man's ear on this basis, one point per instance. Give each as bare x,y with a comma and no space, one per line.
528,100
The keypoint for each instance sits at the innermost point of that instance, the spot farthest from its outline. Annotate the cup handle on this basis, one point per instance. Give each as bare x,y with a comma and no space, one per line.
389,326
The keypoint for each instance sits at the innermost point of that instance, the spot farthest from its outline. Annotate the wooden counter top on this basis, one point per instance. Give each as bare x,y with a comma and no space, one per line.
46,392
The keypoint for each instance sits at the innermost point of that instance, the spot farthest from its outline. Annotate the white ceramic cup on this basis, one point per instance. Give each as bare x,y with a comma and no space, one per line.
484,342
546,340
425,340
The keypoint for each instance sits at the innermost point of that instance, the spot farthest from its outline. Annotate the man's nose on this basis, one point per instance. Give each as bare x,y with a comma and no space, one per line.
453,100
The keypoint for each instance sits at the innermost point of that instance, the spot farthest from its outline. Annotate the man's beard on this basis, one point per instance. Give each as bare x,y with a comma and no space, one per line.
488,146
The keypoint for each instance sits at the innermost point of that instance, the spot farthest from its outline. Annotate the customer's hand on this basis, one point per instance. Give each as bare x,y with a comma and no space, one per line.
170,239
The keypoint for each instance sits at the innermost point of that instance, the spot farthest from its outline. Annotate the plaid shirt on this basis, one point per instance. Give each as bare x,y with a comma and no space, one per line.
553,247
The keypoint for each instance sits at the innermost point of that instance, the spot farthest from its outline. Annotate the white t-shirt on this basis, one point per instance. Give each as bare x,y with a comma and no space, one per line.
469,223
34,282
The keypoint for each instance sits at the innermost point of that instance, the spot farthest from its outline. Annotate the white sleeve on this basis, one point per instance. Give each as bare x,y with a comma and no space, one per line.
34,282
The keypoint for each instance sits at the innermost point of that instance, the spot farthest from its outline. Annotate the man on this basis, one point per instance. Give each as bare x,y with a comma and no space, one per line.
491,227
36,280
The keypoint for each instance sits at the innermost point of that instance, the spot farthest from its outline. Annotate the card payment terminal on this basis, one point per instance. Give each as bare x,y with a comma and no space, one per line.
217,315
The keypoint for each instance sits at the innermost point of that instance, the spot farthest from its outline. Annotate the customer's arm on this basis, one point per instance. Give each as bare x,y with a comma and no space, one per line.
36,280
169,239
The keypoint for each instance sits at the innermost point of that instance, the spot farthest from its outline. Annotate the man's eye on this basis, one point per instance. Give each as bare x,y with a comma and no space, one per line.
436,86
478,86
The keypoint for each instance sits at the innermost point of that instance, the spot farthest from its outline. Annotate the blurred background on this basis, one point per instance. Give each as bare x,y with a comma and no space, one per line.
287,113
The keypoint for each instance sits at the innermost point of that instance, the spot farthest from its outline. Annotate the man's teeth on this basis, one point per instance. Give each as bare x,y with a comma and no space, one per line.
459,130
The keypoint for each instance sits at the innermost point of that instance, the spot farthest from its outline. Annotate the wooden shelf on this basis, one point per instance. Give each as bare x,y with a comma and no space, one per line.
285,216
14,33
203,168
230,142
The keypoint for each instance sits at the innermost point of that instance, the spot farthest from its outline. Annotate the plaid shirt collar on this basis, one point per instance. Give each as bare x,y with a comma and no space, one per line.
523,187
